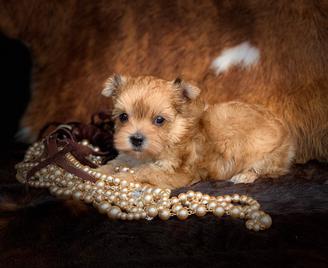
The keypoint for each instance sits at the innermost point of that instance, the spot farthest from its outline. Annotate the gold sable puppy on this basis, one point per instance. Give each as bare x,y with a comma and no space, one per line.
172,138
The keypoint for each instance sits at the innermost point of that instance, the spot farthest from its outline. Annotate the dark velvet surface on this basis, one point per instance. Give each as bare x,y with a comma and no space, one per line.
39,230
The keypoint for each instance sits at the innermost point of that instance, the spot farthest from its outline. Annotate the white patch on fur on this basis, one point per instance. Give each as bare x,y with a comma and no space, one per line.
243,55
25,135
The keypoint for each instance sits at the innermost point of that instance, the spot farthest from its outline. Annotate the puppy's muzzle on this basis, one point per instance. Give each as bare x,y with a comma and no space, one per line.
137,140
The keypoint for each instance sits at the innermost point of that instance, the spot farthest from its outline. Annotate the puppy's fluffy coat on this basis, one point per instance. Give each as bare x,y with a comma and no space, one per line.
171,137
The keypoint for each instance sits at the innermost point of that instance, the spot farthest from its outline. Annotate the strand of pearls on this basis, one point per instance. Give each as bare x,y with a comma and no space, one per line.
123,200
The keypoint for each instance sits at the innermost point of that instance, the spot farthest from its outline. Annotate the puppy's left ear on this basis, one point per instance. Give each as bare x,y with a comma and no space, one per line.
113,84
188,91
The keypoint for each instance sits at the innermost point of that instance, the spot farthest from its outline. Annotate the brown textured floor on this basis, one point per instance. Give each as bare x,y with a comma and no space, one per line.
38,230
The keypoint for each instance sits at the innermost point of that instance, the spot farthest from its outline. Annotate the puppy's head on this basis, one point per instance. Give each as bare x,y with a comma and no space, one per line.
150,113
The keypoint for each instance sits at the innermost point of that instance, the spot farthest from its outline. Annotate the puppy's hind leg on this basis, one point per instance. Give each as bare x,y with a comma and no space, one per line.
245,177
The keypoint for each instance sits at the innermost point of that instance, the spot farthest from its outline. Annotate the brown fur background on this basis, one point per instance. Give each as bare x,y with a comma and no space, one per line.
77,44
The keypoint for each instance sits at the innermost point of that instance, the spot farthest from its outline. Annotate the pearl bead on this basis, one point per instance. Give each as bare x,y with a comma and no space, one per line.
124,183
140,204
235,212
113,212
77,195
100,183
190,194
198,195
174,200
235,197
123,216
227,198
223,204
266,221
116,181
176,208
59,192
67,193
164,214
182,197
219,211
137,216
200,211
152,211
137,186
99,198
99,191
108,192
157,191
249,224
211,205
134,209
249,200
123,196
87,187
125,190
85,142
124,204
255,206
182,214
256,227
148,190
206,197
80,186
194,205
103,207
129,217
88,198
148,198
254,215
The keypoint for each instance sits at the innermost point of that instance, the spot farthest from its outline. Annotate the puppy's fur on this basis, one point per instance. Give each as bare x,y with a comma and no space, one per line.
195,141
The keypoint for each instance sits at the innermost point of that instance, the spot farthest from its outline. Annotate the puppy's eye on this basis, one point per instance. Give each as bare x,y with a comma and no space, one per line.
159,120
123,117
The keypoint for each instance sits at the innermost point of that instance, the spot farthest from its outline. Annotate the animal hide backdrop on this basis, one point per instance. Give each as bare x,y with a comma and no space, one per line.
273,53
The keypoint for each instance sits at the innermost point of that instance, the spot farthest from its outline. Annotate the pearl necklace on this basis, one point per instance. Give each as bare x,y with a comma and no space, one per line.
124,200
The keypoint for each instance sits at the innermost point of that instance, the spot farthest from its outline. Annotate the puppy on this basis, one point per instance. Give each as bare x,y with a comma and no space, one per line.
171,137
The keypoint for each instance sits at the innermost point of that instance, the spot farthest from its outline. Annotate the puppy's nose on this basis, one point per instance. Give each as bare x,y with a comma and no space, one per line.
137,139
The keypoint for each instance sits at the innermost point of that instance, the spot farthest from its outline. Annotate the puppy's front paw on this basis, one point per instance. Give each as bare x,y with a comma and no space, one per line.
132,177
107,169
247,177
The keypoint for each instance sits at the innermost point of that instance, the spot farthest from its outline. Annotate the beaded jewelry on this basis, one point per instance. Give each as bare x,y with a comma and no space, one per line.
124,200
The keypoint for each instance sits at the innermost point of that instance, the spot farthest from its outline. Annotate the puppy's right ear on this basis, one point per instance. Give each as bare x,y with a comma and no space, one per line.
188,91
113,84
